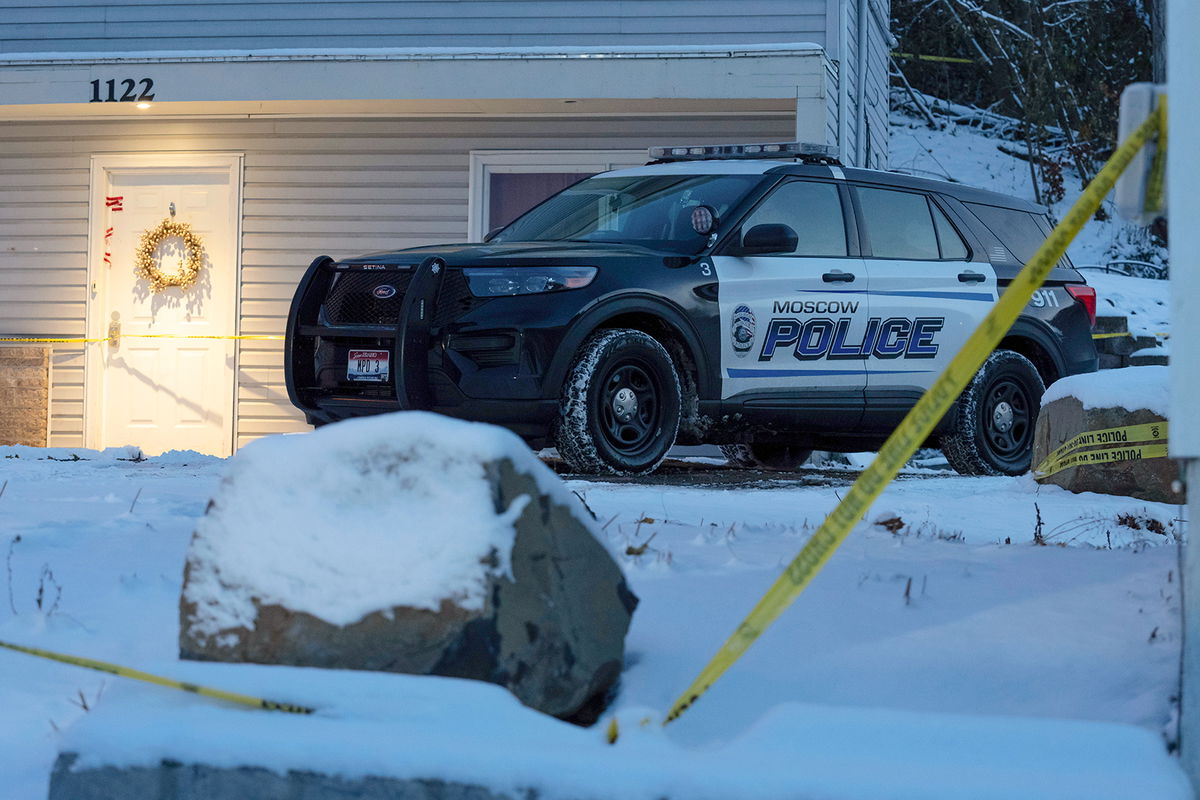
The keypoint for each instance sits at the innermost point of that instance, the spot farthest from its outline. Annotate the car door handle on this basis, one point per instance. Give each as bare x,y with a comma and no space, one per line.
838,277
971,277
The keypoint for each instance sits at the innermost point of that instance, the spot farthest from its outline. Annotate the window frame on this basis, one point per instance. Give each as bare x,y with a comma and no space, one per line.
931,200
485,163
733,239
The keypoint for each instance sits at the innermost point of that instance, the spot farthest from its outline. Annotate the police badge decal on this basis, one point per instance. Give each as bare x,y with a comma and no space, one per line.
741,331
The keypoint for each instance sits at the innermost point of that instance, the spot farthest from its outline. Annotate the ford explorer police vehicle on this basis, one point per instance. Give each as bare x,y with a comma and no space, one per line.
759,297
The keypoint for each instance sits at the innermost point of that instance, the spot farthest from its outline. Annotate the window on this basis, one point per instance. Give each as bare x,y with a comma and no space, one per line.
506,183
899,224
651,210
812,210
951,244
1018,230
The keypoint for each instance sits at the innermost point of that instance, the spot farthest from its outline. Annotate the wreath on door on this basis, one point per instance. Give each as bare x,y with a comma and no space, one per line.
150,268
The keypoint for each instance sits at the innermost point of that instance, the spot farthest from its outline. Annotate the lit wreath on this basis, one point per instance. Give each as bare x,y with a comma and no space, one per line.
146,265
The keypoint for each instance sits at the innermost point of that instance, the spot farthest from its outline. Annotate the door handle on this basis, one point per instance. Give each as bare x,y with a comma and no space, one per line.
839,277
971,277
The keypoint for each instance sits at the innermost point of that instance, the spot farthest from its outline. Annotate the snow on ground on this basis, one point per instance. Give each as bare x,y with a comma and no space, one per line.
938,603
1142,300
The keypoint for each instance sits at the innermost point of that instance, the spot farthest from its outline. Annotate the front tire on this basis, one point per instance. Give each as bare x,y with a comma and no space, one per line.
993,427
620,406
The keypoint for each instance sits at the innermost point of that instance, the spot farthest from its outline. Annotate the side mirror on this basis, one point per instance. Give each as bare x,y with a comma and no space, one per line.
773,238
493,232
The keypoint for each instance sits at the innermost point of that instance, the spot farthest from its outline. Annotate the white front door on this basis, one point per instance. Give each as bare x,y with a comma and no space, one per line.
160,383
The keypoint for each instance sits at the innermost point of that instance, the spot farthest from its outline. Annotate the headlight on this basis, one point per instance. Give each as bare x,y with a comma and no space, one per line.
508,281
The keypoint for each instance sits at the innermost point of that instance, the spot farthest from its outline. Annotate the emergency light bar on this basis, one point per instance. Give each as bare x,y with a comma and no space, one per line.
804,151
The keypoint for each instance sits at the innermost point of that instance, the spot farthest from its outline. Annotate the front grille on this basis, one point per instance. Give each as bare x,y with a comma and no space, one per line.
351,299
455,299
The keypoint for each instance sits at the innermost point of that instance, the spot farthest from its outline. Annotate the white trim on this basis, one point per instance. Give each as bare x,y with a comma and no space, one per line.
93,396
483,163
698,75
415,54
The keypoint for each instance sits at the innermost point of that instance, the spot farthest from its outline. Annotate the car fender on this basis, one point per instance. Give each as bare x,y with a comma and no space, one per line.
610,307
1044,336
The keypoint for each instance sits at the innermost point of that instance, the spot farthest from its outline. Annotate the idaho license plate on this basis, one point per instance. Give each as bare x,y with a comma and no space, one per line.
367,365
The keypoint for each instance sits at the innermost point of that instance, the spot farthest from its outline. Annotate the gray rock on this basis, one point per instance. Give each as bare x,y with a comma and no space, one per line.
1147,479
171,780
553,634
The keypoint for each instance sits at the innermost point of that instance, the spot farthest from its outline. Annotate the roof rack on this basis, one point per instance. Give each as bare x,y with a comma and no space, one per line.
806,152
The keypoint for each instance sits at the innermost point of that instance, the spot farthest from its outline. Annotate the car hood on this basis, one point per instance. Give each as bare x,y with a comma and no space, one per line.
513,254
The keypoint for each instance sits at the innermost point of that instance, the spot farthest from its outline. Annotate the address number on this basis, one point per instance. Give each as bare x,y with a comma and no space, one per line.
122,91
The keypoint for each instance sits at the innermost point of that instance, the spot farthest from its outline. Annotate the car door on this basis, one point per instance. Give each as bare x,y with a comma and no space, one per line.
927,296
793,317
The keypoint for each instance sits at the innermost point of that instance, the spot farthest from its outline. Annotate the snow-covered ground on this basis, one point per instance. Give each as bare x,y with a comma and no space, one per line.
939,602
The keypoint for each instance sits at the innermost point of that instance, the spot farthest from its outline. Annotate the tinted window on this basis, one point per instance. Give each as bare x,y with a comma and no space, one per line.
951,243
1018,230
899,224
812,210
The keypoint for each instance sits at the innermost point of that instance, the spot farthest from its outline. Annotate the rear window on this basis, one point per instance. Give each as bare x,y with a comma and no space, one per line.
1017,230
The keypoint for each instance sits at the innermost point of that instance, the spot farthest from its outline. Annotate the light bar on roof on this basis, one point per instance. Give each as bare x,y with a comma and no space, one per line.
805,151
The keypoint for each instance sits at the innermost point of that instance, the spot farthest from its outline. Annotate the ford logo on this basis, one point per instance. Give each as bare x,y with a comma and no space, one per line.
384,292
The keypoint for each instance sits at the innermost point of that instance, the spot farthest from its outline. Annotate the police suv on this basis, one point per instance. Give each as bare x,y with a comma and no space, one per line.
759,297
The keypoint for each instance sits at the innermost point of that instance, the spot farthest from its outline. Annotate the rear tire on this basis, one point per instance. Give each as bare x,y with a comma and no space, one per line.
993,427
620,406
780,457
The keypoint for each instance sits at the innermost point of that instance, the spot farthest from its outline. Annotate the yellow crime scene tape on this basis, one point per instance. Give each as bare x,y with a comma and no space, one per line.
916,427
1104,455
946,59
1107,446
138,675
86,340
1160,334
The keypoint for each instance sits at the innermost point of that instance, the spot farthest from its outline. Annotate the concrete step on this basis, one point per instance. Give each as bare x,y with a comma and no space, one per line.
1111,324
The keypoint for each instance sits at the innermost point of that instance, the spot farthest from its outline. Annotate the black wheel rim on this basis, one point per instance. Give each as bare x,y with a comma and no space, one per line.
630,407
1008,420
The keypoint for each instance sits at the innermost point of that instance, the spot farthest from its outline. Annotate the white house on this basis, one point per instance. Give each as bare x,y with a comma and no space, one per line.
280,131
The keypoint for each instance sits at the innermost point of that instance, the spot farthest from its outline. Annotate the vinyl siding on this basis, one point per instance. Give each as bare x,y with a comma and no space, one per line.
73,26
875,68
311,186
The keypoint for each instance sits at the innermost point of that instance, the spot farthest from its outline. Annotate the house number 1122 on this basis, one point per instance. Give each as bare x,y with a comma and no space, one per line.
128,95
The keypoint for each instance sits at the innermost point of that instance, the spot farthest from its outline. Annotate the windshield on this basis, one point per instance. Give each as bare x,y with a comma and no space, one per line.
650,210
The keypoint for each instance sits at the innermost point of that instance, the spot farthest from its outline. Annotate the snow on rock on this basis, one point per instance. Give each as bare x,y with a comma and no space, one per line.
386,732
1130,388
408,542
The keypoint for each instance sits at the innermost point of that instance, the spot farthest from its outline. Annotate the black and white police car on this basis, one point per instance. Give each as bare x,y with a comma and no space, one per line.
759,297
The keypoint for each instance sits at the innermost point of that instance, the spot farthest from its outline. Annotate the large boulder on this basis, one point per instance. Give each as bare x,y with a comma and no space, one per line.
1128,464
412,543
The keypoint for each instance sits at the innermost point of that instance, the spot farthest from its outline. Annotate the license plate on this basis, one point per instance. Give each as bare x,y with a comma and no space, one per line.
367,365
